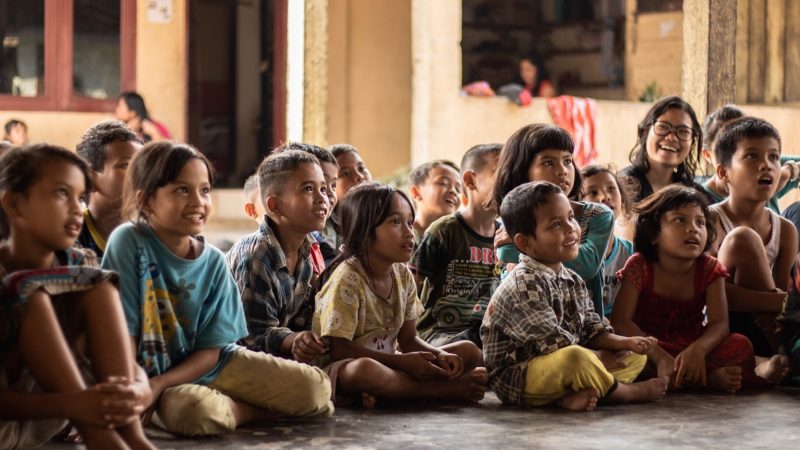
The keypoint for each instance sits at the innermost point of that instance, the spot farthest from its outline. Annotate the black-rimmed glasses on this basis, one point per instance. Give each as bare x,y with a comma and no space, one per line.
683,132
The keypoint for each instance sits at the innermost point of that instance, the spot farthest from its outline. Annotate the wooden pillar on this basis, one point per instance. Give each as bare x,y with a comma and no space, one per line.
709,54
315,72
792,81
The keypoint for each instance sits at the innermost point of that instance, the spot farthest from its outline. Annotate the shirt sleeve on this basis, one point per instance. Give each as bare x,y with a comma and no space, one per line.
221,320
339,302
121,256
413,307
428,256
592,250
712,269
634,271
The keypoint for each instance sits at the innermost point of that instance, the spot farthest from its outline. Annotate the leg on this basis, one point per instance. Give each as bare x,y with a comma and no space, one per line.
50,361
731,364
469,353
195,410
745,257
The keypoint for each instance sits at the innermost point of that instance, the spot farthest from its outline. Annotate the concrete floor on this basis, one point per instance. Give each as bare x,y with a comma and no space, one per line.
766,419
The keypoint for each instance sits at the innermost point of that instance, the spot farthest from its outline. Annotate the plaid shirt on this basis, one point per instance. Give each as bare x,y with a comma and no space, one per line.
534,311
276,304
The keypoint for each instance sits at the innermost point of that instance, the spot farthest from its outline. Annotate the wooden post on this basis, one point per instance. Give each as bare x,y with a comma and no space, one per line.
792,82
315,73
709,54
776,37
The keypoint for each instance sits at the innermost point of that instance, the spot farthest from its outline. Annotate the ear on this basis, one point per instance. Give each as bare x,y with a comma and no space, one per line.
140,202
9,201
524,243
706,153
468,180
250,210
722,172
93,175
415,194
272,204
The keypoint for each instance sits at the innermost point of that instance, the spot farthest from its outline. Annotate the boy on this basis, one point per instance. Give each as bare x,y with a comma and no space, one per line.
108,148
272,266
252,199
454,264
541,319
756,245
436,189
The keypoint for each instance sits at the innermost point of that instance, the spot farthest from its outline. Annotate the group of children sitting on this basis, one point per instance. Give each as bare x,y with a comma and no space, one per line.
507,272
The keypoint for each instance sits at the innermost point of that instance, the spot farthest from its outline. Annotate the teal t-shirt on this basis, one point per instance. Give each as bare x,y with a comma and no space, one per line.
174,306
620,252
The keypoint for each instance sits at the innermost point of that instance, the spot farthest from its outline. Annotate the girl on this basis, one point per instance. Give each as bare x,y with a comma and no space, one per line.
668,149
369,306
669,283
183,309
601,185
131,110
541,152
534,77
52,294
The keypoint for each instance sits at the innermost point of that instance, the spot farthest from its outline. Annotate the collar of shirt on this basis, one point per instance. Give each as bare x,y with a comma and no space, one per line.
532,264
278,256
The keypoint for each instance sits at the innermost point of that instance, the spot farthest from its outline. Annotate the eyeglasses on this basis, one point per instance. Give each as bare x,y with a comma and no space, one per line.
683,132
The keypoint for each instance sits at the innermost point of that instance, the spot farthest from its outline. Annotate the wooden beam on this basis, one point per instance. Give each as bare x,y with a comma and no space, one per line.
792,62
776,37
315,73
742,50
758,50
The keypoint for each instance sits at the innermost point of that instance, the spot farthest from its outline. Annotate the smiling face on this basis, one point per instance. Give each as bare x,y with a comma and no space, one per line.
754,169
555,166
331,173
683,233
669,150
602,188
557,233
302,203
352,172
394,237
440,194
181,208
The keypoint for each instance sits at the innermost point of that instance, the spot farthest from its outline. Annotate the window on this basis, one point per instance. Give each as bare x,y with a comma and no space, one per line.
66,55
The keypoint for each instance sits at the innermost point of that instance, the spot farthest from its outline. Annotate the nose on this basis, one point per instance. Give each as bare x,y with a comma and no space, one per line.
357,177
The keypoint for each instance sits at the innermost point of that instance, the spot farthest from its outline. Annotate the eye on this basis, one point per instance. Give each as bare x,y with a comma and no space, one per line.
611,189
344,173
123,166
308,189
557,224
333,187
62,192
182,190
568,162
206,190
594,192
701,222
548,163
774,157
396,221
680,220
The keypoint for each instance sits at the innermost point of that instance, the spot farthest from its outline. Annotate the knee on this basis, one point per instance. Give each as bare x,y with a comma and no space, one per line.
363,375
195,410
743,244
313,393
575,358
469,353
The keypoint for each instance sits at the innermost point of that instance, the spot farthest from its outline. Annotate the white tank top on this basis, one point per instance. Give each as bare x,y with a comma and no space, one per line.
772,246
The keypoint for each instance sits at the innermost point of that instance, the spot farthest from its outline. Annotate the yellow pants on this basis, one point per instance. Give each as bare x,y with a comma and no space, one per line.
280,386
552,376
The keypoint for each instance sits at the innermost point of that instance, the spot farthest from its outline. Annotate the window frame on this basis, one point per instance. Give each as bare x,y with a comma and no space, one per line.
58,94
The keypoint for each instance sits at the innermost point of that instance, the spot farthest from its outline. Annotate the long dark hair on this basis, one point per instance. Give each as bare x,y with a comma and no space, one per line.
364,208
135,103
638,157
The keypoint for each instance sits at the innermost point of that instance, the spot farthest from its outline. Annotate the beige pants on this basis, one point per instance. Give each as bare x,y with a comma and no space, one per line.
571,369
29,433
281,386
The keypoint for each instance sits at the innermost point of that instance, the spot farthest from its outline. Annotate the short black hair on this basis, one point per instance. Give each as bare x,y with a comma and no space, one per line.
419,175
13,123
135,103
92,146
277,168
518,209
341,149
323,155
716,121
475,158
250,185
653,208
738,130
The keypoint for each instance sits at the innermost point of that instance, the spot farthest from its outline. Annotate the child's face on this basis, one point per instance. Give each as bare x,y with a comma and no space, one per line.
302,204
440,194
602,188
755,169
182,207
557,233
108,183
18,135
122,112
555,166
394,237
352,172
527,71
483,182
50,212
669,150
683,233
331,174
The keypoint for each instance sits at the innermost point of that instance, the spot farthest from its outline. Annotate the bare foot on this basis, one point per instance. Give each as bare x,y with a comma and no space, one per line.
368,401
643,391
100,438
134,436
583,400
727,379
613,360
775,369
667,369
470,387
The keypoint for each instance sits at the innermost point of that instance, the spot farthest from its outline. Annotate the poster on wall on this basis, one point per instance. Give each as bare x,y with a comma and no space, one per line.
159,11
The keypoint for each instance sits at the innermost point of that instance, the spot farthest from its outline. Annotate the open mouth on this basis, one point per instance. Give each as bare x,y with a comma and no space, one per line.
73,228
571,243
409,246
765,181
321,212
196,218
451,202
669,148
692,242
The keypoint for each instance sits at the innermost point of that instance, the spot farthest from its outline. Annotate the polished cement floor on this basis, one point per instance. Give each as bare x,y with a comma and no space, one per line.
765,419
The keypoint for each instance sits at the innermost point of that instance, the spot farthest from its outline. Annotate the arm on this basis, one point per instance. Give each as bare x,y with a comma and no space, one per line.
592,249
743,299
787,254
418,365
193,367
428,258
611,341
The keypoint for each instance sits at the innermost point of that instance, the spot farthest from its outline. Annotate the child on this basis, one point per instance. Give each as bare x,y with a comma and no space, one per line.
272,266
542,152
436,190
675,293
716,189
53,294
601,185
183,308
756,245
668,149
454,264
369,306
108,148
16,132
252,199
541,319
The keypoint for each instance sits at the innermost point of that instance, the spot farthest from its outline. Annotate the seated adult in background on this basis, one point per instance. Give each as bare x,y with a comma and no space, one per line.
131,110
534,77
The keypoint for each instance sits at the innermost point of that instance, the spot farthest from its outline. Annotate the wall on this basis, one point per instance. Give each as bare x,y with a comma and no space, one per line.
160,78
369,80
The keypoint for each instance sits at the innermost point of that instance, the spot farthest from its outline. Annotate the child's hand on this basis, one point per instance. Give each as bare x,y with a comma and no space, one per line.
422,365
641,344
107,405
690,366
501,238
453,364
307,346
